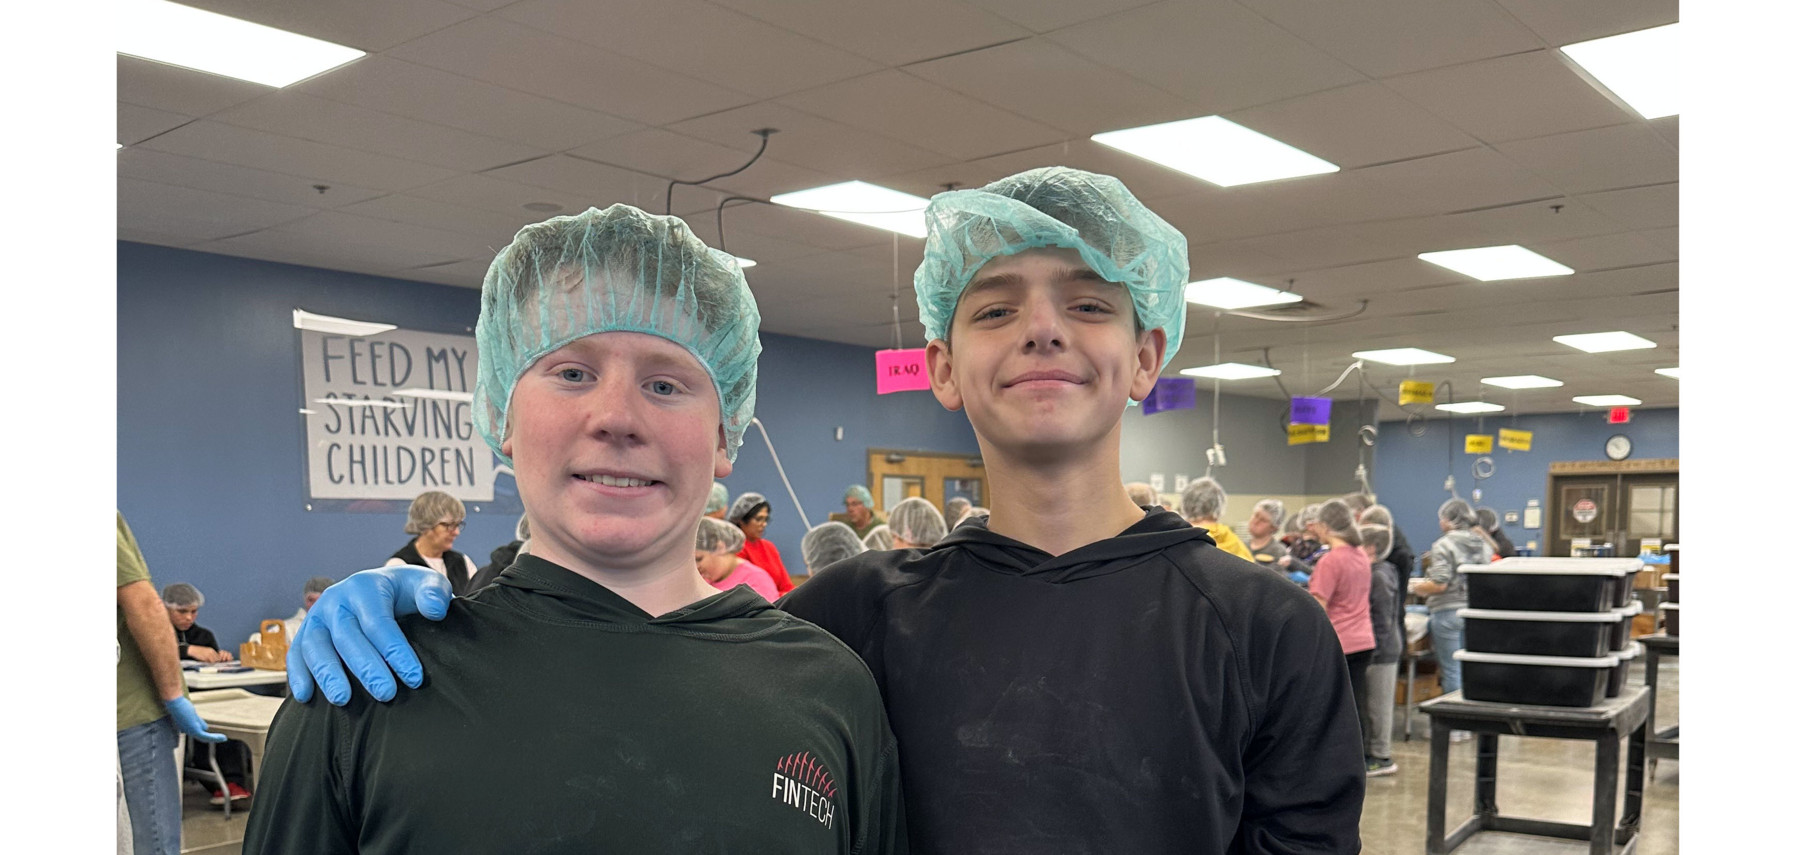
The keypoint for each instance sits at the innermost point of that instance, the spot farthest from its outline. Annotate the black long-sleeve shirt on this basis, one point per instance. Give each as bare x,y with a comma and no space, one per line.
557,717
1148,693
196,636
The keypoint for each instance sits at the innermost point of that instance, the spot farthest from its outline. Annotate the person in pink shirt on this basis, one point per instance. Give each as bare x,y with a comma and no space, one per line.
716,545
1340,582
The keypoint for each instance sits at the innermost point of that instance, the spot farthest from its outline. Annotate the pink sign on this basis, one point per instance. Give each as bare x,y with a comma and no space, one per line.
900,371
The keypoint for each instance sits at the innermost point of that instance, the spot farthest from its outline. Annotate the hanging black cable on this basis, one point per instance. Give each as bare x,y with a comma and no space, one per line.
669,195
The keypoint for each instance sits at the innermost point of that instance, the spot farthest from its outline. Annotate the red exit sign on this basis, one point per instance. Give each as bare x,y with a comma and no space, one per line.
1618,416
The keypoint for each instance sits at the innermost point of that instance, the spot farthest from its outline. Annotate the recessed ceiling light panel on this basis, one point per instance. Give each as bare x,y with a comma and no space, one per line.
864,203
1471,407
1604,342
1642,68
1404,356
1216,149
304,320
1494,263
218,44
744,263
1231,371
1227,293
1670,372
1606,400
1522,381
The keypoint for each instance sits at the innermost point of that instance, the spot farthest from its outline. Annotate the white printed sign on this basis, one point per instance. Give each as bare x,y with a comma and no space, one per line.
390,416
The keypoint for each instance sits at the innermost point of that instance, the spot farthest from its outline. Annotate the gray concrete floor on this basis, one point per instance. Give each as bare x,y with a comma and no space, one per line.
1538,778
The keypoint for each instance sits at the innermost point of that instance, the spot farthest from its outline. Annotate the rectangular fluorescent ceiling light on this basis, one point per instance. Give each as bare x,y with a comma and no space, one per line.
1606,400
1493,263
1227,293
1670,372
744,263
1471,407
862,202
1404,356
1216,149
304,320
1231,371
439,394
1522,381
1602,342
1642,68
218,44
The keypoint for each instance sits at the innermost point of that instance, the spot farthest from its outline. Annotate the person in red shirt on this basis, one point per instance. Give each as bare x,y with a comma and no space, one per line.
751,513
1340,582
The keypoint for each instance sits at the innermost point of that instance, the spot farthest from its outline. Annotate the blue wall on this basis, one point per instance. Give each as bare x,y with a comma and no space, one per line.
1409,470
211,464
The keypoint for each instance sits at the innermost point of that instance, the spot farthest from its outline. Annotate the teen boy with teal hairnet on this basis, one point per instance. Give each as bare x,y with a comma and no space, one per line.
600,696
1072,673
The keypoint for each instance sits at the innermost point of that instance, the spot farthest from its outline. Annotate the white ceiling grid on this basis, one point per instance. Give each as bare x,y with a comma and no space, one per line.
1456,124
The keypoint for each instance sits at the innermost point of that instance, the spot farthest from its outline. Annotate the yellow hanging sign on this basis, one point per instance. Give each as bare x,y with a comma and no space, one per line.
1515,440
1417,392
1303,434
1478,443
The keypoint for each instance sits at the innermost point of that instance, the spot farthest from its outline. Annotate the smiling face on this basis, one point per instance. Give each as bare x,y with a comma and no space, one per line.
1046,354
615,439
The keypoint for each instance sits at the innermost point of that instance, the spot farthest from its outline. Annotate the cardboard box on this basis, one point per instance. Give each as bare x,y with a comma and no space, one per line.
1425,685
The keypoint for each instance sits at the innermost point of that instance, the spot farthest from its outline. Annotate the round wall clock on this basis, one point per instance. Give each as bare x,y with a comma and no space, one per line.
1618,447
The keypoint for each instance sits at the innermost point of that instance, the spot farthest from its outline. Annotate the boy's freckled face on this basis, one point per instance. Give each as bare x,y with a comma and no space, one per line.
1043,353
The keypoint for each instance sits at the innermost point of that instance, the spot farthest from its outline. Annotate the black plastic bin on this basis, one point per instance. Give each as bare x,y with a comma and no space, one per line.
1539,633
1615,679
1552,681
1671,618
1550,584
1673,580
1621,632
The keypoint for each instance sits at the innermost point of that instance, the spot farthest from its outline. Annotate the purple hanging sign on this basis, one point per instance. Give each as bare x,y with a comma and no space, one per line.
1311,411
1170,393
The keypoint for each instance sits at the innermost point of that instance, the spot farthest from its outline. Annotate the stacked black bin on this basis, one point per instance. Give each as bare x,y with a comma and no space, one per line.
1545,631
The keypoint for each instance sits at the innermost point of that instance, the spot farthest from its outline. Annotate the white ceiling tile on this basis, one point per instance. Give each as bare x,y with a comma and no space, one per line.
804,227
1542,221
747,244
831,147
306,117
150,236
1208,215
1668,240
353,23
177,170
1560,22
1042,16
898,105
698,39
494,227
887,32
462,274
350,230
595,184
1215,53
1146,180
1043,81
1629,155
483,5
1511,97
140,123
329,164
1625,249
1396,36
315,251
1639,207
431,95
1351,281
180,90
1356,125
1669,128
506,197
1454,181
519,57
198,214
672,155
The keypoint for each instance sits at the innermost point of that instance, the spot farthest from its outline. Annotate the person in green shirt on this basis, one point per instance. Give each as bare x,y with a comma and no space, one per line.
859,511
600,695
152,705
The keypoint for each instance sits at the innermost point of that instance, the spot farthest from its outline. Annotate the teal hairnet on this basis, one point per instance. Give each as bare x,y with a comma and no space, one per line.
617,270
717,499
862,495
1054,206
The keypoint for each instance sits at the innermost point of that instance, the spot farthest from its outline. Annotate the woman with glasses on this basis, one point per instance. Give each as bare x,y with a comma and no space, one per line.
751,514
434,520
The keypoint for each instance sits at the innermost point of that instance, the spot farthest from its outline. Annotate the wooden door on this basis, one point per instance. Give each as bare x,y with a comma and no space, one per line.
933,475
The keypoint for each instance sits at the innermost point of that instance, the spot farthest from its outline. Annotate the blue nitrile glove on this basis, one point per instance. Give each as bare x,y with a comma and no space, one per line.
1298,577
181,711
355,619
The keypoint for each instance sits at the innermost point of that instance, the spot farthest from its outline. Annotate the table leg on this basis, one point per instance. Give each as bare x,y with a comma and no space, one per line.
1412,673
1651,667
1634,779
1436,791
1487,773
1606,794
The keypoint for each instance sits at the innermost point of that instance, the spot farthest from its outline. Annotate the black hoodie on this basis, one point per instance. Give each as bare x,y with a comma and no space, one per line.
1146,693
